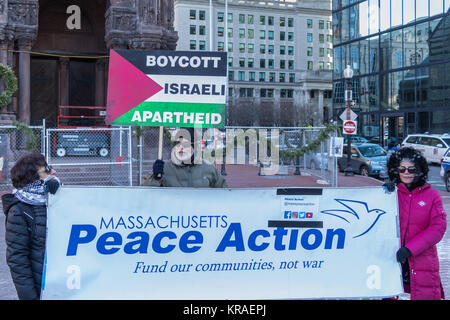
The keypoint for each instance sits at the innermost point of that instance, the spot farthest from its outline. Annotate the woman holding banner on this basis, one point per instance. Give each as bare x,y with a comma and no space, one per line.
182,170
422,224
26,221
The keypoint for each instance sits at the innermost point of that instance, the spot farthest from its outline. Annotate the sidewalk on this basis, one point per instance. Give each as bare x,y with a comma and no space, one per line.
245,176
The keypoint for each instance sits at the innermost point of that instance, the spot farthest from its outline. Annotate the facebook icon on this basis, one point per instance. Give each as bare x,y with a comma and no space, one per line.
287,214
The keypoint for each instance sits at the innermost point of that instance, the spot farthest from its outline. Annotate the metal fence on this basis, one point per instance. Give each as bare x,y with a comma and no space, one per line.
124,155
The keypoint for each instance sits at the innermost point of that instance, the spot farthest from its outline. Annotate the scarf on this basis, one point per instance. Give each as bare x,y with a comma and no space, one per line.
34,193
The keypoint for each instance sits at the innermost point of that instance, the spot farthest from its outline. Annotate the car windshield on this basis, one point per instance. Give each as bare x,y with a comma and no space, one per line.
447,141
372,151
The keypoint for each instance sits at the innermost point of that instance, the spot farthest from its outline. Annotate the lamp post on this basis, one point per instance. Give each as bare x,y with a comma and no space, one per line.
348,75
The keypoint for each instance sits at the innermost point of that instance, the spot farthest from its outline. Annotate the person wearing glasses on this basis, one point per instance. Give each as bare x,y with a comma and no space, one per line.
26,221
182,170
422,224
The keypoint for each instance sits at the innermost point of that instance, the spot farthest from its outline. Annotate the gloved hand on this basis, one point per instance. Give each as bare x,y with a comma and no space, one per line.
389,186
402,254
158,169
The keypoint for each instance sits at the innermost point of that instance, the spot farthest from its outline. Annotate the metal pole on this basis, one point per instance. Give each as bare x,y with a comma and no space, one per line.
210,26
130,160
348,170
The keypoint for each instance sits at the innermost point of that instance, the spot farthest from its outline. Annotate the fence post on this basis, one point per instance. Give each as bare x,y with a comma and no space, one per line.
130,155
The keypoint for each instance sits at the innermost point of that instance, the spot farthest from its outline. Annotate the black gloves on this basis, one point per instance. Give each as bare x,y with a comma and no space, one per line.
389,186
52,186
158,169
402,254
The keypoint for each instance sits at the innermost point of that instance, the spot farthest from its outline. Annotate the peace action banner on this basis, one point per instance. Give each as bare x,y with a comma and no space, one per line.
177,243
167,88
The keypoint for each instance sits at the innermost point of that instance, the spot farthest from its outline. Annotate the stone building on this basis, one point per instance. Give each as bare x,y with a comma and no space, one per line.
59,49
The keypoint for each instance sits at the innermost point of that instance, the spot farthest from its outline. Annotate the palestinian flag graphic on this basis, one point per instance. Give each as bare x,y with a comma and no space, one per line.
167,88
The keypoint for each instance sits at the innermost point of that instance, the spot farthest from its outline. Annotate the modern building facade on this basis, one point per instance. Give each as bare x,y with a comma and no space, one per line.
279,56
399,51
59,62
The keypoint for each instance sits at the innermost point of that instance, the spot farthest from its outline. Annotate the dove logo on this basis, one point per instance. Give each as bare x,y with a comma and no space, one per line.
357,214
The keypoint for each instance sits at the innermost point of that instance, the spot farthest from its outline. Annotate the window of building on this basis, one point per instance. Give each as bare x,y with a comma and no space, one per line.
329,66
230,32
262,20
192,14
192,29
250,92
321,24
219,16
329,38
270,20
230,46
269,93
329,25
290,36
321,38
250,48
220,31
291,64
262,92
282,64
310,65
231,75
230,61
282,77
309,51
262,48
262,34
282,35
241,33
282,21
283,93
202,45
270,63
270,35
241,18
242,92
201,30
309,23
192,44
251,76
290,93
250,62
291,77
321,65
329,52
230,92
271,76
270,49
290,22
250,19
241,76
290,50
220,46
262,76
321,52
241,47
242,62
309,37
201,15
250,33
230,17
262,63
282,49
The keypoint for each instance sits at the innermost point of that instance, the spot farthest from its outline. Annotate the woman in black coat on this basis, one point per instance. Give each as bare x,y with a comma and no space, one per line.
26,220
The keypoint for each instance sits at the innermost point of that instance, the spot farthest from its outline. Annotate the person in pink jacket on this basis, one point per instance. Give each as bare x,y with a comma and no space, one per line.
422,224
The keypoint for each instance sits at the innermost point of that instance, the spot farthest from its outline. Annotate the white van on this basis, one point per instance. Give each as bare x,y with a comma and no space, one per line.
432,146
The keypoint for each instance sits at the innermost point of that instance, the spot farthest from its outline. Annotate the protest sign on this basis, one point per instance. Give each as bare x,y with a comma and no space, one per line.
168,243
167,88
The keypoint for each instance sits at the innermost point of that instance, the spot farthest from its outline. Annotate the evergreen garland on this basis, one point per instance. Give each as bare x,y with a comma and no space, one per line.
11,87
31,144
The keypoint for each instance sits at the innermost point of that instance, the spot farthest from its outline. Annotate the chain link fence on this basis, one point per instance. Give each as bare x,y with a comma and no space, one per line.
123,156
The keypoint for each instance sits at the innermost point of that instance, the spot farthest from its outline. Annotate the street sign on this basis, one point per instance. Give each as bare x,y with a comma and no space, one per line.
348,114
167,88
349,127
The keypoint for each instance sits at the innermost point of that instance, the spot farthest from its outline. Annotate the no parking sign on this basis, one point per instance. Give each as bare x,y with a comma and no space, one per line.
349,127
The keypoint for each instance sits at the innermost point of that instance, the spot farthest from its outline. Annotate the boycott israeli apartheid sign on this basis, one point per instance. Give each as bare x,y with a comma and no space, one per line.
166,88
151,243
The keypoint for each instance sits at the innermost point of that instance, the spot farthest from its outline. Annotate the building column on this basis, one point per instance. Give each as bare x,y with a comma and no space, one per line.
63,81
24,111
320,108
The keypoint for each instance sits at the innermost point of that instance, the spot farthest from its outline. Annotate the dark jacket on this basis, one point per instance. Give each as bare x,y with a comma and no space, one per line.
25,240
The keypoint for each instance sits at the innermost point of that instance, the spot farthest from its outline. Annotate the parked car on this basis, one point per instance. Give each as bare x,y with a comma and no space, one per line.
432,146
367,159
316,161
358,139
445,169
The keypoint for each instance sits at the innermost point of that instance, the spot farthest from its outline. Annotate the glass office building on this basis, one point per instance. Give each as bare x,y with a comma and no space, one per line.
399,51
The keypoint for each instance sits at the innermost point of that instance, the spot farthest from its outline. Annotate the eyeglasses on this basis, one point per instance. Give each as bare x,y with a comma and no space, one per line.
403,169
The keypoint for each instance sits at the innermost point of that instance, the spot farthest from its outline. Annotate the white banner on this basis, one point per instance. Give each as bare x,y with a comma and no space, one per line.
176,243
